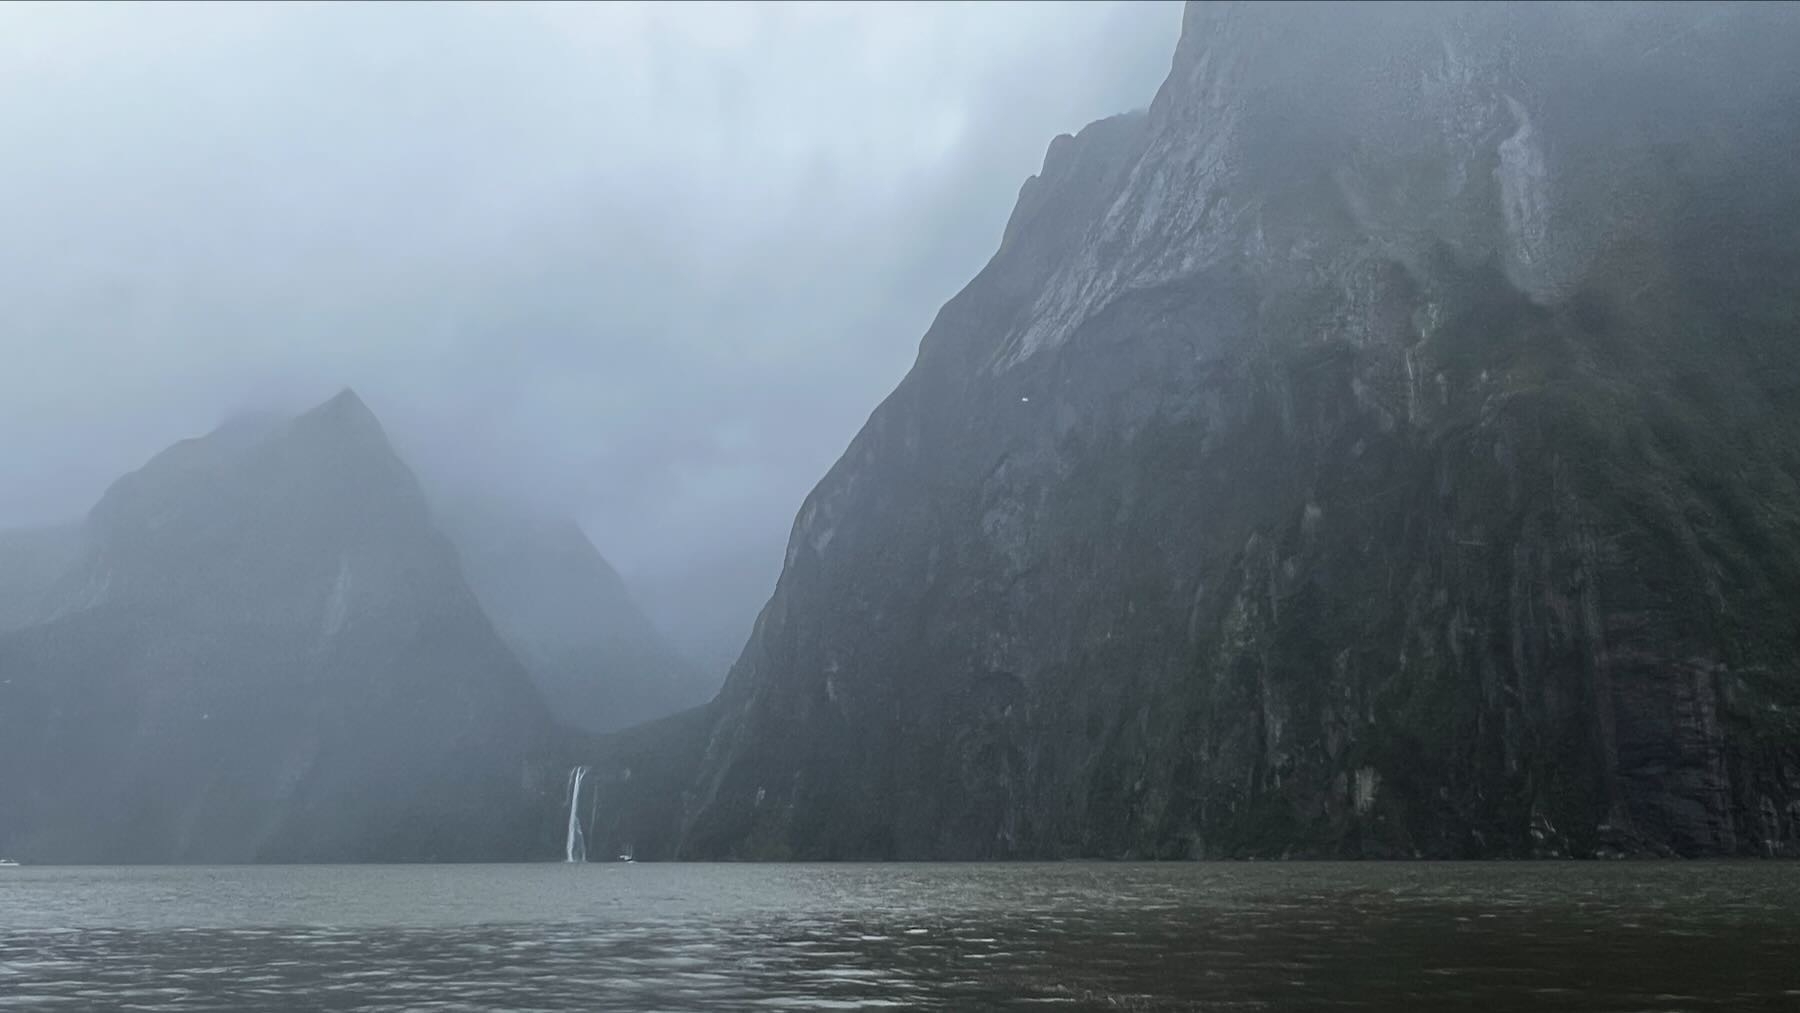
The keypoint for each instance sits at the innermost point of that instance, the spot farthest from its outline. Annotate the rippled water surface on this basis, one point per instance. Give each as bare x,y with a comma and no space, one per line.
957,937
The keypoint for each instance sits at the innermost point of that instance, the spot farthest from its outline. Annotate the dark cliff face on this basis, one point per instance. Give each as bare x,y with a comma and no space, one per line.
265,651
1385,445
599,661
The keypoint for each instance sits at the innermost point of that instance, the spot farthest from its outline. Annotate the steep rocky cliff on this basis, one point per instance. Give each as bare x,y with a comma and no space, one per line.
1384,445
263,649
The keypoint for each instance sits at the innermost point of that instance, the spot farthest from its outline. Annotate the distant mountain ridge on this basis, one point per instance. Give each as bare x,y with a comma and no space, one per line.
598,659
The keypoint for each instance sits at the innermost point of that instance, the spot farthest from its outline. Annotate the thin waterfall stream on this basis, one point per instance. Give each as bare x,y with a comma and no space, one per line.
575,847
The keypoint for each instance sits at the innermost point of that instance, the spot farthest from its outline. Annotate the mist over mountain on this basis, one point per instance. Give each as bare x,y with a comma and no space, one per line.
643,265
1384,446
261,648
562,609
1352,509
31,561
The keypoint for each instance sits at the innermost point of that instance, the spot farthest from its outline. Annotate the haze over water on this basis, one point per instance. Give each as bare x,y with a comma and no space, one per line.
1080,936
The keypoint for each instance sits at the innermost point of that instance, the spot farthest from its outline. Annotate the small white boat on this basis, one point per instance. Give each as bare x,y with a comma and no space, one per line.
626,856
7,863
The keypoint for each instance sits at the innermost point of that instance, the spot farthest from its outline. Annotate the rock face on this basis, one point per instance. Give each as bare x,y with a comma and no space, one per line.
1385,445
263,650
599,661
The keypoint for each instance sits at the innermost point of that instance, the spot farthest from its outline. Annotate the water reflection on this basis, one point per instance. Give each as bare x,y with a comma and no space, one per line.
917,937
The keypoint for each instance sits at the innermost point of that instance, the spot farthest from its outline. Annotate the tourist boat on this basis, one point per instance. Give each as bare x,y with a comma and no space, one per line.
7,863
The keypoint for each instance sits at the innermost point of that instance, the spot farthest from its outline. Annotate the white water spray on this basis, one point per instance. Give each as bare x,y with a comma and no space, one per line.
575,848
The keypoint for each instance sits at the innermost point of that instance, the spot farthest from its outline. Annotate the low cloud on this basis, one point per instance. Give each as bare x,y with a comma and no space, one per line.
649,266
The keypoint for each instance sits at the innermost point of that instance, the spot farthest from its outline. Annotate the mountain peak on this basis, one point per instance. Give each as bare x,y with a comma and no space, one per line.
342,405
277,602
344,424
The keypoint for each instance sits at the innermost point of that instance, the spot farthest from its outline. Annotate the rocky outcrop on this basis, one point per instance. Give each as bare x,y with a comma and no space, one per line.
264,650
1385,445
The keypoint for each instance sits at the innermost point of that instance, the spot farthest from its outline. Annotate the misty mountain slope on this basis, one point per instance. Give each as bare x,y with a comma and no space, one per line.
566,614
31,562
267,652
1385,445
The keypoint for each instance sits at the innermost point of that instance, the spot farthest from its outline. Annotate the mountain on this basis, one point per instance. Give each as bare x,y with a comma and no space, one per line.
1385,445
31,562
598,660
265,651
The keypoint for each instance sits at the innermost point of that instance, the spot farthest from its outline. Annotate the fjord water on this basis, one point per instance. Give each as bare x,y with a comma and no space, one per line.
727,937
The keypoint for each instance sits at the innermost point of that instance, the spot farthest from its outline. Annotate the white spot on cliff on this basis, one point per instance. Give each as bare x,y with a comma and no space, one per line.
1309,521
1524,201
1368,783
1412,387
811,530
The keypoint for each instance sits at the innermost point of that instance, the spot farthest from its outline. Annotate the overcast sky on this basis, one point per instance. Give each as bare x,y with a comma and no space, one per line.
651,267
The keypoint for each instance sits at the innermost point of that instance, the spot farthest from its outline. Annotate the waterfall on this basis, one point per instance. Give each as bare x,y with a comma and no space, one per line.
593,811
575,848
